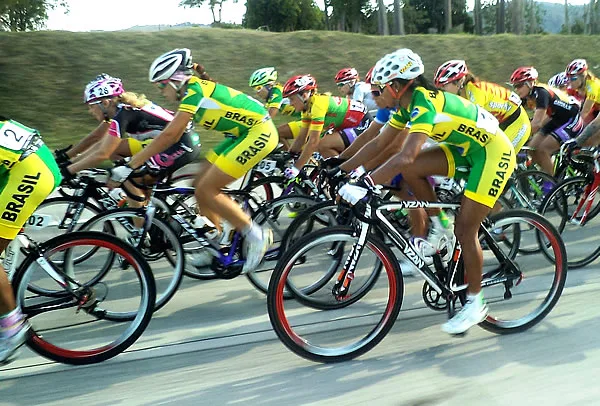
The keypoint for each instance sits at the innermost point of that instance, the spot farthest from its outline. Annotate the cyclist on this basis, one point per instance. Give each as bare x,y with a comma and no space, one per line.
29,174
264,82
555,114
467,135
586,86
215,107
329,123
453,76
349,85
128,122
559,81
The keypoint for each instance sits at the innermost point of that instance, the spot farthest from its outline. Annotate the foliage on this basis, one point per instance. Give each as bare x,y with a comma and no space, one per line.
216,6
434,11
283,15
26,15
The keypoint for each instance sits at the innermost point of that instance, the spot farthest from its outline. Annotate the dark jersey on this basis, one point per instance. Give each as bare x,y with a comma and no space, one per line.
139,123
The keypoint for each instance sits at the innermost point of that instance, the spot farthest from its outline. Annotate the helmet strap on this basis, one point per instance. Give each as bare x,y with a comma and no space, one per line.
104,112
395,93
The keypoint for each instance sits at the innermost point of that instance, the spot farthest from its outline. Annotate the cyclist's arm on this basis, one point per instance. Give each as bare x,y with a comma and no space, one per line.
587,107
538,120
273,111
91,139
585,138
311,146
362,140
411,147
386,154
169,136
93,157
372,149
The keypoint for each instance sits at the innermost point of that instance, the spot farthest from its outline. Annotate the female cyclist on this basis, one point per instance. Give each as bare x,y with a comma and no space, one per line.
555,114
468,136
213,106
329,123
128,122
28,175
349,85
264,82
454,77
586,86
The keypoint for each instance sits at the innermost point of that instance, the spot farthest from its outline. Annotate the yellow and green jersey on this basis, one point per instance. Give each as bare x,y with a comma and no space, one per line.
325,112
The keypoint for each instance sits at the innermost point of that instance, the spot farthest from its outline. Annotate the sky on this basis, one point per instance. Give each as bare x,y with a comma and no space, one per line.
120,14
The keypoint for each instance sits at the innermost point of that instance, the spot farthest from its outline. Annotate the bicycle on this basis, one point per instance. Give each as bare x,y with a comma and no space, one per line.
319,325
75,317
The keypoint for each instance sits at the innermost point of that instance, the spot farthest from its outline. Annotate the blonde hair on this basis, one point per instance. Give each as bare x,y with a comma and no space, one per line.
134,100
201,72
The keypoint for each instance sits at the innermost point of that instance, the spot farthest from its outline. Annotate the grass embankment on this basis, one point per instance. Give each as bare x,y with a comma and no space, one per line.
42,74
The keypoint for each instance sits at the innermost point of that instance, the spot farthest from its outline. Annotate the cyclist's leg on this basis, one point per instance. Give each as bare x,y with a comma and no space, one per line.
287,132
27,184
333,144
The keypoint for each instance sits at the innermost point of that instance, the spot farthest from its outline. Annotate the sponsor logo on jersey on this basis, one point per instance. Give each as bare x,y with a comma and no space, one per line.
14,207
414,113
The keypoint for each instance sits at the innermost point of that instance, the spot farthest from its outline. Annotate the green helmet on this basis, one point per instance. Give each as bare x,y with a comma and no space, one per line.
263,76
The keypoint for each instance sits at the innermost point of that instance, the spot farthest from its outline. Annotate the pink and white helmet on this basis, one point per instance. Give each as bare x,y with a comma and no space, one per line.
577,67
102,87
559,80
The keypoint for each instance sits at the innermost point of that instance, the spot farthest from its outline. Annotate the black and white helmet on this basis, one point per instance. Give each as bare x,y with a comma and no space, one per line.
166,65
401,64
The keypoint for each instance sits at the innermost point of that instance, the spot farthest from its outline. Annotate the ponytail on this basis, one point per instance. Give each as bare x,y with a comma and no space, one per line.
469,77
134,100
201,72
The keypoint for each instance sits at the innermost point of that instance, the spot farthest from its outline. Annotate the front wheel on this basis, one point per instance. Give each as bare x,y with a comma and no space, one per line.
324,326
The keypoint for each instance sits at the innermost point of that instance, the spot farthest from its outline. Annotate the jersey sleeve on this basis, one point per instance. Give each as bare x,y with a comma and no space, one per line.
118,124
592,90
422,114
542,99
192,99
383,116
318,110
275,99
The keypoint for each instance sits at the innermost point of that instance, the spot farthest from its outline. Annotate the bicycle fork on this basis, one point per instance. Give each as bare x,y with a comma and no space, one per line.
590,194
342,285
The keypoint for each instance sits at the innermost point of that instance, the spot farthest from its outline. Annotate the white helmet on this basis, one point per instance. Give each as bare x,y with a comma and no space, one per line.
401,64
166,65
104,86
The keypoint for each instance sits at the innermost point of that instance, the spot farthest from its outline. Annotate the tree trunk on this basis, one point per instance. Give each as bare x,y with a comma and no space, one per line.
501,17
448,15
342,24
327,4
478,18
567,23
532,19
517,16
398,19
382,20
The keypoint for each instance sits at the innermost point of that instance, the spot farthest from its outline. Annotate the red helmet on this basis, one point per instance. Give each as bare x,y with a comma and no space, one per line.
449,72
524,74
577,67
346,75
297,84
369,75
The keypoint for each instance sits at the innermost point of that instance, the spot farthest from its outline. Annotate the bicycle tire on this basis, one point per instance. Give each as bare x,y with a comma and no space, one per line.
40,344
279,281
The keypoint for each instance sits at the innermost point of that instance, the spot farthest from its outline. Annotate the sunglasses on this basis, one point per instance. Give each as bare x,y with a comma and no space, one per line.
258,88
342,84
573,78
377,93
162,84
519,85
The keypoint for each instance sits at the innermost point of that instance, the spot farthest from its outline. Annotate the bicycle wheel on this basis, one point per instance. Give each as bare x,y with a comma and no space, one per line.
559,207
277,215
160,247
78,326
519,298
340,328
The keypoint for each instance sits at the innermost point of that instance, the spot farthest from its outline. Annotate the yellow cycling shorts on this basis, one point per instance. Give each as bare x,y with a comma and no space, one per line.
24,187
136,146
489,168
236,156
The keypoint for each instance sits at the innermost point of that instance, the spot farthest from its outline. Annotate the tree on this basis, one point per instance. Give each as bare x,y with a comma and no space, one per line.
26,15
283,15
398,18
448,16
517,16
478,18
382,18
567,24
501,17
434,10
349,14
216,6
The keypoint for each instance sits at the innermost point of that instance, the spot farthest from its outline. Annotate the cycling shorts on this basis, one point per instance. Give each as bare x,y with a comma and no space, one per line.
350,134
236,156
490,167
295,127
517,128
24,187
562,131
136,146
184,151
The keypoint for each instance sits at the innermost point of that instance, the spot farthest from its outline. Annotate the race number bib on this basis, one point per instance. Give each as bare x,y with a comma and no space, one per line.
266,166
514,98
14,137
355,105
486,121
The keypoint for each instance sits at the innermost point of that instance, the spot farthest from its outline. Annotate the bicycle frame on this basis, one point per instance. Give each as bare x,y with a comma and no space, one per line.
589,195
454,283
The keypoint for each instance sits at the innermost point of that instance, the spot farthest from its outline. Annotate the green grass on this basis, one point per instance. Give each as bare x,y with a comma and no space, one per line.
42,74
